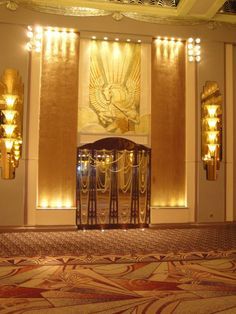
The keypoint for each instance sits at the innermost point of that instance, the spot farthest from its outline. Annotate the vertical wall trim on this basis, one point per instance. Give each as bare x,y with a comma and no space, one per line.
33,136
229,132
191,143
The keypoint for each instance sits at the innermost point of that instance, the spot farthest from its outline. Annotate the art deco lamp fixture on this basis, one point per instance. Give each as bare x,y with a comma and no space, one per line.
211,119
11,103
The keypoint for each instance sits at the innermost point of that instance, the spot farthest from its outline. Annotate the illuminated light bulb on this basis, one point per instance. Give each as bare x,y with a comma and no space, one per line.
94,37
38,44
179,40
9,129
172,39
191,58
212,148
190,46
38,29
197,53
68,204
10,100
139,41
38,36
198,47
116,39
30,34
28,46
8,144
212,110
212,122
212,136
190,40
198,58
102,230
38,49
72,31
29,28
9,115
197,40
190,52
105,38
44,203
58,204
128,40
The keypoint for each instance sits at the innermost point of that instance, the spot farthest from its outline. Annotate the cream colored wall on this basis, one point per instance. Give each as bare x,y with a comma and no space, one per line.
12,193
210,194
210,197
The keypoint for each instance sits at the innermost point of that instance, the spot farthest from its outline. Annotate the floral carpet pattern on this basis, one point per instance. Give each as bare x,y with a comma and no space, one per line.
206,286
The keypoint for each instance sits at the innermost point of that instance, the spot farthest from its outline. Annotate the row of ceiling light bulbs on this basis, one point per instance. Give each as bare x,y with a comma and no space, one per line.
35,41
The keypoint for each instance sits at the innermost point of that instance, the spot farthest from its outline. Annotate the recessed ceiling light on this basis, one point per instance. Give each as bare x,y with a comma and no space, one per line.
116,39
94,37
128,40
105,38
139,41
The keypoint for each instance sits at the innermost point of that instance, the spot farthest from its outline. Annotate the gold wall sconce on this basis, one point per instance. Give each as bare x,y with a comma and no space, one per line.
11,105
211,120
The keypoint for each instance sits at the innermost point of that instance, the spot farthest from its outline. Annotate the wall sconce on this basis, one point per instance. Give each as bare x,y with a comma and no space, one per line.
11,103
194,50
211,120
34,35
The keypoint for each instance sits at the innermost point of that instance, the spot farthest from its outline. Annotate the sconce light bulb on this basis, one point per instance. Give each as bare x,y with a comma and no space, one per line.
9,129
212,110
30,34
190,46
190,40
9,115
10,100
8,144
212,122
197,40
198,58
191,58
212,136
212,148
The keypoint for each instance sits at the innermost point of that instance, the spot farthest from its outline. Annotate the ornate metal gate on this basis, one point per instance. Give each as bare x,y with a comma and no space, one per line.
113,184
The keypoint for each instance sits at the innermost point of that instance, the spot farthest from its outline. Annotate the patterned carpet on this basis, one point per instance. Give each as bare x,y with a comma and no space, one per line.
132,245
180,271
179,287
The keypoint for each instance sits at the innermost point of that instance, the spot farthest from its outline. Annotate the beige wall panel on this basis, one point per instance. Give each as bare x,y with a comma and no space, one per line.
168,126
58,124
234,131
13,55
211,194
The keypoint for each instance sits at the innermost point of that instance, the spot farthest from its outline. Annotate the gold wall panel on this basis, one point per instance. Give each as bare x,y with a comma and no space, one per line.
58,120
168,124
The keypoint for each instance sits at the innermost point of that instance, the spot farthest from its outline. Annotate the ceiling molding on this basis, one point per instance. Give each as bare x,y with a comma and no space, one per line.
101,5
225,18
185,6
214,8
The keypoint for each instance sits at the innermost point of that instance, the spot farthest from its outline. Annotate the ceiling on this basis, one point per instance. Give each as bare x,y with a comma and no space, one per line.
155,11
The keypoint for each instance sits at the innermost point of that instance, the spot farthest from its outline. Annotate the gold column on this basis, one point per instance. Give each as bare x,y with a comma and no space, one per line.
168,123
58,120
